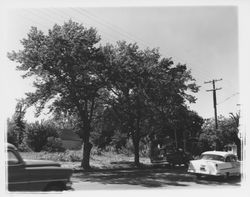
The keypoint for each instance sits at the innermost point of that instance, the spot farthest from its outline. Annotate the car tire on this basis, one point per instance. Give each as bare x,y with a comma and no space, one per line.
226,176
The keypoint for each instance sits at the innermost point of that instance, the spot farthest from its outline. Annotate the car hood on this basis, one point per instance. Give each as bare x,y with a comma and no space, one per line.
40,163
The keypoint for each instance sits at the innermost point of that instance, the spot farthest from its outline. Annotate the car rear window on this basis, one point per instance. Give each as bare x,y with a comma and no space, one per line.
212,157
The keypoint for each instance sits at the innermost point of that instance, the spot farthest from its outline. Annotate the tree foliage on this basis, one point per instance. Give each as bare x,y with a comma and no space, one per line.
227,133
107,92
37,134
64,63
145,90
16,125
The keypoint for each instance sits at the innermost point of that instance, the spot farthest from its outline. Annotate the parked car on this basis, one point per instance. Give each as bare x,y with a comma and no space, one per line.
171,157
35,175
215,163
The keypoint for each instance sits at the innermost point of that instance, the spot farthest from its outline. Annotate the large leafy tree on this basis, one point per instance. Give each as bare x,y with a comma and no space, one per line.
64,64
127,76
168,94
146,91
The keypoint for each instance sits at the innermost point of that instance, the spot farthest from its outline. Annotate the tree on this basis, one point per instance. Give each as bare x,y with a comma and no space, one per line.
16,126
146,91
189,125
127,76
64,63
226,133
167,96
235,126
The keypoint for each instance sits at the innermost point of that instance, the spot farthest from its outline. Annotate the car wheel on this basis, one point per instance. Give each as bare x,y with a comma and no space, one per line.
226,176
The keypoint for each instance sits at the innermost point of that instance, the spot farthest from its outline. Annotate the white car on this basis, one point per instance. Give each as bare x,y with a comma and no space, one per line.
215,163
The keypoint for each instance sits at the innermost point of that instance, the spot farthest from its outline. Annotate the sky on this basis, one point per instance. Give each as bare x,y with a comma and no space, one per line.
205,38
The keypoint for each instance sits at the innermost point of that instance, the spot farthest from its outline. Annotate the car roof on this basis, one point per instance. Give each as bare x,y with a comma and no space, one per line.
221,153
10,146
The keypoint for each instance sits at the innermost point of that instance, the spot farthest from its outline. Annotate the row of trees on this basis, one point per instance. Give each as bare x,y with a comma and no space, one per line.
112,90
44,135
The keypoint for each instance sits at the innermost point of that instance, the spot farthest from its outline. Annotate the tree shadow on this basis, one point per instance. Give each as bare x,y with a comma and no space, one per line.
150,178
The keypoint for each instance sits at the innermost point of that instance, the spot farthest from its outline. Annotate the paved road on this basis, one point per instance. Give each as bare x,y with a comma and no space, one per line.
150,178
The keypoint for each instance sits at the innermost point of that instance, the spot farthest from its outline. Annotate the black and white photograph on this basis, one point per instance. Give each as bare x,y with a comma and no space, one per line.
123,96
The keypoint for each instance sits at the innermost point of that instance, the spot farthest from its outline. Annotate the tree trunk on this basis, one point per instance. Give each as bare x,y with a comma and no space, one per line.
176,140
136,142
184,141
136,152
87,146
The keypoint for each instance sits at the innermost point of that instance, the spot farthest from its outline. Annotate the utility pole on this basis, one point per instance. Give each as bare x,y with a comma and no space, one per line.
214,98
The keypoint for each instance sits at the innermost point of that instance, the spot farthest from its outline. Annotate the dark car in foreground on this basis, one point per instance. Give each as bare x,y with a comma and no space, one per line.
35,175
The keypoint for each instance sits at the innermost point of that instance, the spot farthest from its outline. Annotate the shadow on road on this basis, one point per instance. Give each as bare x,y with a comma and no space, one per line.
152,178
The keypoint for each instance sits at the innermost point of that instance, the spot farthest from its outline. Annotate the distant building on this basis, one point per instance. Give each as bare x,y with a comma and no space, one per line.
70,140
232,148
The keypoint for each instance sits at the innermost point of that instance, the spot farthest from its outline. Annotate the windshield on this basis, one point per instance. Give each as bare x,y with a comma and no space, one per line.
212,157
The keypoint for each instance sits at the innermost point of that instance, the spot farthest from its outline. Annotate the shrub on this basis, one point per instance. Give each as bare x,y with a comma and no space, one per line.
37,134
23,147
96,151
54,145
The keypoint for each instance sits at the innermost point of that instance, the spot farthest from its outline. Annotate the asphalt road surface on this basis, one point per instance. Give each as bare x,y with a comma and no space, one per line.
147,178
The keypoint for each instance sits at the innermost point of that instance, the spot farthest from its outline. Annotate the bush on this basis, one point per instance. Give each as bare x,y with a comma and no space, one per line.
129,149
54,145
37,134
74,157
23,147
96,151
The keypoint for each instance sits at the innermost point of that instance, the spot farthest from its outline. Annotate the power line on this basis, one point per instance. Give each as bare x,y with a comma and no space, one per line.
122,30
228,98
101,22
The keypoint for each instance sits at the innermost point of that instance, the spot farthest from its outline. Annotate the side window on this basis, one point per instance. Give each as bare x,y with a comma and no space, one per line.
12,159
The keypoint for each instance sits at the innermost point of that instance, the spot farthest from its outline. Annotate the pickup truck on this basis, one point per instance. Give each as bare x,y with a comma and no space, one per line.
35,175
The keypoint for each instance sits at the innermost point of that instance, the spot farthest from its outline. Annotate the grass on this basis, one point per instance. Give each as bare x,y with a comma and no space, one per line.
98,159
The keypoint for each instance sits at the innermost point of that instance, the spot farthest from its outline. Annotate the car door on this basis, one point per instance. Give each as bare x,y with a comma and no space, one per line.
235,165
23,178
16,172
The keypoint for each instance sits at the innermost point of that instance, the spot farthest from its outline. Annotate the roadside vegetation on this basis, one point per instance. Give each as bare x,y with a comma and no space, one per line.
72,158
